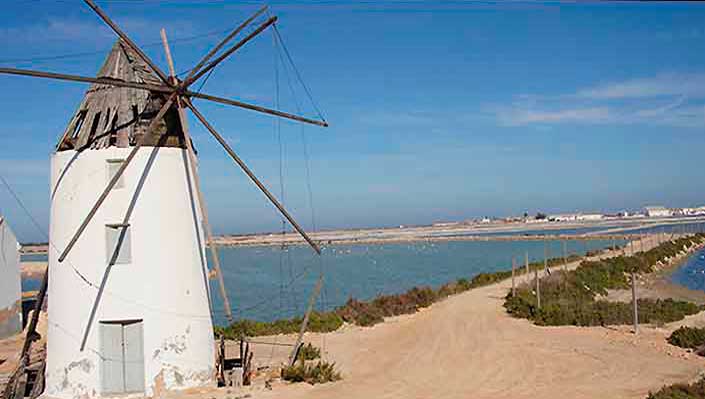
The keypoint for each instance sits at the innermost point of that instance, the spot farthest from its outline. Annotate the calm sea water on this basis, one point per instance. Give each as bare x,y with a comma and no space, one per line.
692,273
266,283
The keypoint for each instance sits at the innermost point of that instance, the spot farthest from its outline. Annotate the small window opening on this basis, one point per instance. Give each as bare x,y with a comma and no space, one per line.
79,123
118,244
112,167
107,120
94,127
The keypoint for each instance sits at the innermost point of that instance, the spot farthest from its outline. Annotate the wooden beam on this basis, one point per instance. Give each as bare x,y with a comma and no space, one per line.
304,324
226,54
224,42
252,176
256,108
127,40
116,178
197,184
85,79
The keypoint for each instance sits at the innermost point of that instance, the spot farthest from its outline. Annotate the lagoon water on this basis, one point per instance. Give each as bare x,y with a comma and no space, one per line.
266,283
692,273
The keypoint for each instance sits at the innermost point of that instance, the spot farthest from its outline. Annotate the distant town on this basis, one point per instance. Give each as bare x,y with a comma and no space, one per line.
655,211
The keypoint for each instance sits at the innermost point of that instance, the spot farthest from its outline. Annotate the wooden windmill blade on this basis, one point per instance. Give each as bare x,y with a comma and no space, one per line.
127,40
201,201
257,108
223,42
253,177
86,79
229,52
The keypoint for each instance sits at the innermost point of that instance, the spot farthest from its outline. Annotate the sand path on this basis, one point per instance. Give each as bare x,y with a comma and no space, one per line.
468,347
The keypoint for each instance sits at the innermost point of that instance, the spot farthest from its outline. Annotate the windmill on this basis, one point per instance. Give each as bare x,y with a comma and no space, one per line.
130,309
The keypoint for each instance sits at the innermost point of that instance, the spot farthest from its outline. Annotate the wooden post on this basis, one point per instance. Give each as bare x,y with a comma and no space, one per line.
526,263
514,265
634,304
538,289
545,255
565,256
304,324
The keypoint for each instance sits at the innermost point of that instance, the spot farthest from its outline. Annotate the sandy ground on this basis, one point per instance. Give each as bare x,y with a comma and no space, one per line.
467,346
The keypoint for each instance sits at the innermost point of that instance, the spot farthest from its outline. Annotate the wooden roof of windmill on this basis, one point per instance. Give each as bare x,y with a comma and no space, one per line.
118,116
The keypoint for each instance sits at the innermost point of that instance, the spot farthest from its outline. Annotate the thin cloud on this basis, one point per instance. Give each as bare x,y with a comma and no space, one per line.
516,117
667,100
692,85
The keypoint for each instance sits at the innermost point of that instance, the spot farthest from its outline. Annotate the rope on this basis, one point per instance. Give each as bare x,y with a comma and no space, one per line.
279,46
296,70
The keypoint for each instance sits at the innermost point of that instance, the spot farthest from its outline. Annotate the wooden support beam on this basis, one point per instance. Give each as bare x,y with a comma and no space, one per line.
85,79
127,40
227,53
257,108
252,176
304,324
224,42
201,200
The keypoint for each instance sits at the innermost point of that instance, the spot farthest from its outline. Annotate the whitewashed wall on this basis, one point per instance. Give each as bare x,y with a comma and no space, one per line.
10,282
165,285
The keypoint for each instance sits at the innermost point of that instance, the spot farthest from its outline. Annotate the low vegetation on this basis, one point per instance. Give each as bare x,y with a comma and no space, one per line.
318,322
695,390
312,373
308,352
572,298
575,306
688,337
368,313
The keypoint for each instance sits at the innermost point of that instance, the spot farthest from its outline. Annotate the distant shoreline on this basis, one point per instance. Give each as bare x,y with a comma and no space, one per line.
514,231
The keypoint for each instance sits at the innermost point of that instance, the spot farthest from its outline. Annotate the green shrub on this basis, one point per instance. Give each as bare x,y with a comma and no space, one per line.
308,352
695,390
319,373
318,322
569,298
687,337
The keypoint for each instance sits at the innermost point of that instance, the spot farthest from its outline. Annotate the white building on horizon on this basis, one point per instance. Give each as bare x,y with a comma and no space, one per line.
657,211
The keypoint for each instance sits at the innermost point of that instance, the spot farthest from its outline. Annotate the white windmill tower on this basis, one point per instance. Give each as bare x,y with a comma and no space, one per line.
129,310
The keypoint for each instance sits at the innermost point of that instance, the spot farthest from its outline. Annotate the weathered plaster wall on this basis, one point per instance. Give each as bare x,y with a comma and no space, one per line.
10,282
165,285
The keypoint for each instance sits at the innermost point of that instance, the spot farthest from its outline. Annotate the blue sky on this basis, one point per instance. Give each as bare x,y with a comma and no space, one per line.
437,112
